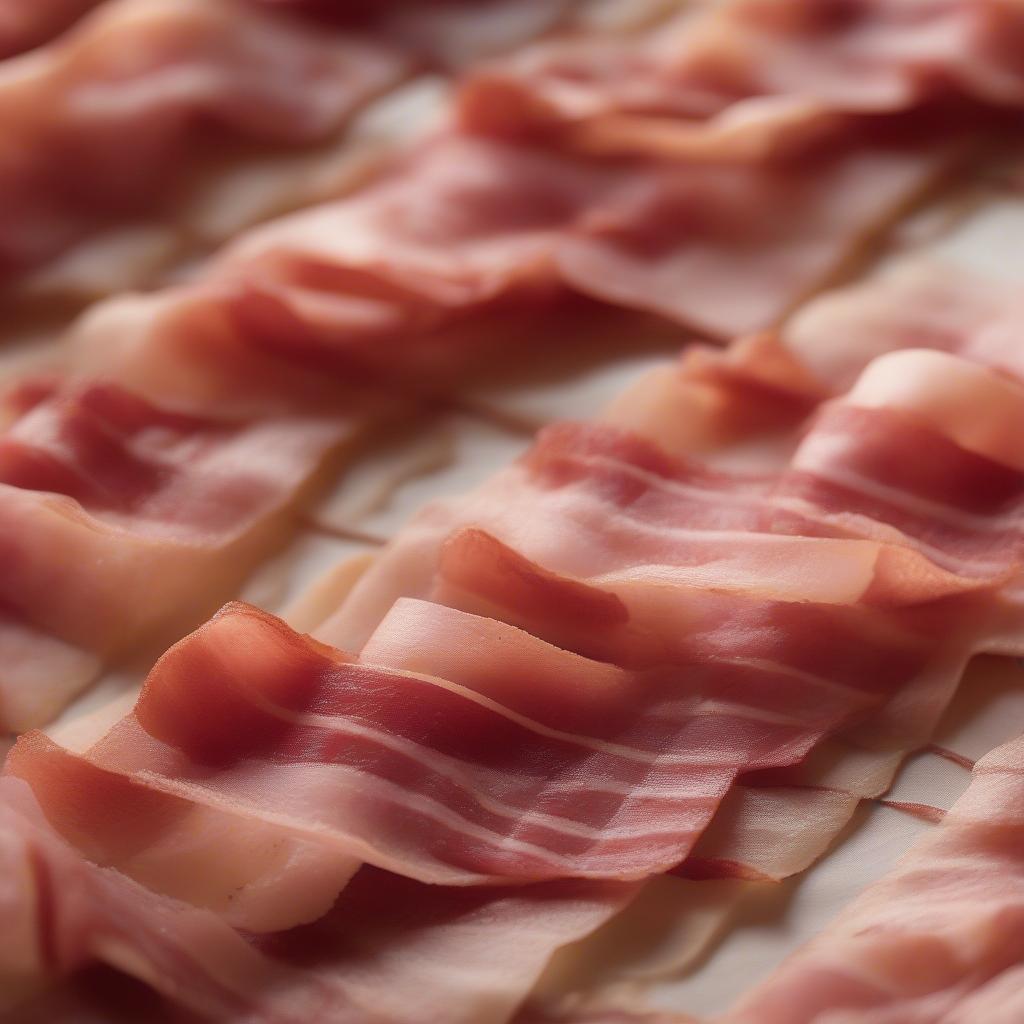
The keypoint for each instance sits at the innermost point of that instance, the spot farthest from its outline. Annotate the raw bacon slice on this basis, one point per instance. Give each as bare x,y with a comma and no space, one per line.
602,544
728,249
60,912
670,238
95,477
749,76
392,281
871,463
406,279
918,303
747,404
465,227
763,833
130,130
939,939
616,507
254,875
742,408
790,667
389,950
418,793
913,680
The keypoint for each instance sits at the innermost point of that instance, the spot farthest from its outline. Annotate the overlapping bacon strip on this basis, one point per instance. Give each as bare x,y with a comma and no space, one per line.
93,137
918,302
388,949
755,76
405,280
408,278
903,400
622,520
654,586
690,580
747,404
938,939
120,521
723,646
391,764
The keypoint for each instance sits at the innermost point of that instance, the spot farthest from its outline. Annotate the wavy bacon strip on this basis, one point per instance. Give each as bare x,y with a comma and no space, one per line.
938,939
274,695
416,793
407,278
762,385
629,502
918,303
755,76
674,220
749,403
388,950
131,131
120,521
645,529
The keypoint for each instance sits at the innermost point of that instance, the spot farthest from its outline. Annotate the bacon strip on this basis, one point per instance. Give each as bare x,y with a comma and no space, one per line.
407,279
899,952
635,498
416,794
596,540
66,911
384,952
748,404
729,249
682,220
131,131
96,477
752,76
917,303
